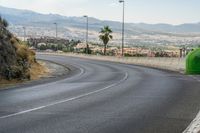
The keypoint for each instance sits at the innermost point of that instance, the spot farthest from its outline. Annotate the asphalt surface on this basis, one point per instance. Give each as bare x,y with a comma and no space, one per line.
102,97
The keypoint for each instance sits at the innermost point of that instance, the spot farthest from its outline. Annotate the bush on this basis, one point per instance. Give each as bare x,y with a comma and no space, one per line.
13,72
22,52
5,23
15,57
42,47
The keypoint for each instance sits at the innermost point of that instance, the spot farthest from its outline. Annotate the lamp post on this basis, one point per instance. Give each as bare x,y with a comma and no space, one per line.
122,1
87,49
56,29
56,24
24,28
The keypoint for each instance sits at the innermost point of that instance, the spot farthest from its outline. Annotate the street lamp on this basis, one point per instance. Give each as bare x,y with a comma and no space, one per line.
56,35
56,29
87,49
24,28
122,1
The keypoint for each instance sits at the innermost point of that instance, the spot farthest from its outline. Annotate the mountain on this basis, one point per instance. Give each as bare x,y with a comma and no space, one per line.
39,25
183,28
30,18
26,17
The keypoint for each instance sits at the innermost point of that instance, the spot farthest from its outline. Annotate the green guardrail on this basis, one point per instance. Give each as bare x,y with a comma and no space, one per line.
193,62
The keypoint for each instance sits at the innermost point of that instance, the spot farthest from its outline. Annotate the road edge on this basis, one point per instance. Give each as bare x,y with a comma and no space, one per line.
193,127
42,80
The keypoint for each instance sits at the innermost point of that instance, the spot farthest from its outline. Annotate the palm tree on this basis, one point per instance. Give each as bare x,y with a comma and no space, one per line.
105,36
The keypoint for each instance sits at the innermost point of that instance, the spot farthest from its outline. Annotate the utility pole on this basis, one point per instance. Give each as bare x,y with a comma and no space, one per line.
122,1
87,49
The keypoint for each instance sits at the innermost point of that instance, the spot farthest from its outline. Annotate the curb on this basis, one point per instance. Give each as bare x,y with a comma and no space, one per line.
194,126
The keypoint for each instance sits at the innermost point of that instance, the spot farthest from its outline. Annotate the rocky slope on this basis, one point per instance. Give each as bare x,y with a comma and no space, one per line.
15,58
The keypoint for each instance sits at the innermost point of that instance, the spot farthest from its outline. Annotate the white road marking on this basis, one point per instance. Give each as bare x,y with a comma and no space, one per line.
195,78
194,126
66,100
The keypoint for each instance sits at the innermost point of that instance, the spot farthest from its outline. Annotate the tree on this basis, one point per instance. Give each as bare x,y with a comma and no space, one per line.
42,47
105,36
3,22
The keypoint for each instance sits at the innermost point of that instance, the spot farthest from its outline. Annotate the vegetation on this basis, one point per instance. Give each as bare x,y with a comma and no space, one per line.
55,46
105,36
15,58
3,22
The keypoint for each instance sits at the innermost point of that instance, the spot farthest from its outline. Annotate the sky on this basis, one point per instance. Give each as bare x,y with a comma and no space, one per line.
136,11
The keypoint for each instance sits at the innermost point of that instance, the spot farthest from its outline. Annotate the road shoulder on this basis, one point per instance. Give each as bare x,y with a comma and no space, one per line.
53,72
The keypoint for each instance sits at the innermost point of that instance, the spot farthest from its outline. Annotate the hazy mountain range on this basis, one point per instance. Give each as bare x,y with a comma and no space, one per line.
38,25
26,17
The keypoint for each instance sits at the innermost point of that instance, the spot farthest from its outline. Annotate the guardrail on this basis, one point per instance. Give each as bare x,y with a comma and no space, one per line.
173,64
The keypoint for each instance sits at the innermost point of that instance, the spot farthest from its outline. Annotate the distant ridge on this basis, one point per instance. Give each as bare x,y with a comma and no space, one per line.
27,17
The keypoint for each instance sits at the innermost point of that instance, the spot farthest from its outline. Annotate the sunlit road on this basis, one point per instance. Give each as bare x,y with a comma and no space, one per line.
102,97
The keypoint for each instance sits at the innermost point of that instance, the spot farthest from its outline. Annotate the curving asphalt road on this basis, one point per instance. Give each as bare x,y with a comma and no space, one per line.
102,97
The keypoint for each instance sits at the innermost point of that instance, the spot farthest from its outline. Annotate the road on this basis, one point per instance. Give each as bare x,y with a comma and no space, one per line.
102,97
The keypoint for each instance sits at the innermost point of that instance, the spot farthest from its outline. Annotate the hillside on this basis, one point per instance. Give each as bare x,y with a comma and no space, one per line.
15,59
39,25
14,16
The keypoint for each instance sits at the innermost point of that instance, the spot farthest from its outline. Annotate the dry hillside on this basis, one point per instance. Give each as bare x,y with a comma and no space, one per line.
15,58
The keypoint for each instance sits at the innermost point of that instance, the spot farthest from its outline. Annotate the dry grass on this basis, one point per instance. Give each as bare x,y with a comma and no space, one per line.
37,71
6,83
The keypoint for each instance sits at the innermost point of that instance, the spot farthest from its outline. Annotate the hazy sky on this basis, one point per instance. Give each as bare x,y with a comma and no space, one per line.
148,11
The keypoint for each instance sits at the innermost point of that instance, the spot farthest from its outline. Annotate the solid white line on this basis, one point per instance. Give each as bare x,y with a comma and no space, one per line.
194,126
66,100
195,78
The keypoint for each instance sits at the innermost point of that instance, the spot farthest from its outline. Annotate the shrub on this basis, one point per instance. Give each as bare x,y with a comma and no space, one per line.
5,23
15,57
11,72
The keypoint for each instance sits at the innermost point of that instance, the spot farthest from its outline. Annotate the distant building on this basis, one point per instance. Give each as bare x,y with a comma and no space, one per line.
46,40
